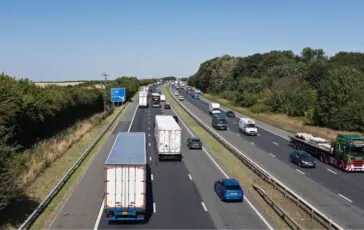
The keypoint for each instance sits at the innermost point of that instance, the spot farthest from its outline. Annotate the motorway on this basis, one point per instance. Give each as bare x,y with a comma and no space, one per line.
179,195
335,193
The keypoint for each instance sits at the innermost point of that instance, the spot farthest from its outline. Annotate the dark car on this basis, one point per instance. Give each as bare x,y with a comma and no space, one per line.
302,159
167,106
194,143
175,118
230,113
229,189
219,123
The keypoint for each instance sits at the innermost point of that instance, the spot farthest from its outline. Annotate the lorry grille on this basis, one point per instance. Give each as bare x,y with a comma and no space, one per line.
357,163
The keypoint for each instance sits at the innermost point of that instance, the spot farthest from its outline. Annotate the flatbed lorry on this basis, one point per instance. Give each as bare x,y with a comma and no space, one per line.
346,152
126,178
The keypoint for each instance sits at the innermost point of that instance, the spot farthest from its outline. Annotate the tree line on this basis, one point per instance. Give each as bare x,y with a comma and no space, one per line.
327,91
30,114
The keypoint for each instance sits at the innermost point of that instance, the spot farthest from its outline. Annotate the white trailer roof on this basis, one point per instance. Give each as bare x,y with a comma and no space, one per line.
166,122
247,120
128,149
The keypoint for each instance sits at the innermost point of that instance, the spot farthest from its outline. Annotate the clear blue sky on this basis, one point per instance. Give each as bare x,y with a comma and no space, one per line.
79,39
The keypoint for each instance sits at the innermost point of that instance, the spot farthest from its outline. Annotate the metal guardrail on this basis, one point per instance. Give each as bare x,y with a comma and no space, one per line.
278,185
289,220
32,217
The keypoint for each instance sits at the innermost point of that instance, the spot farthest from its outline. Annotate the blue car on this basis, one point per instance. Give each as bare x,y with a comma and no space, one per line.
229,190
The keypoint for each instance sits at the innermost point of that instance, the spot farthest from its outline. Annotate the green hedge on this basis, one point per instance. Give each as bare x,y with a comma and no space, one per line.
326,91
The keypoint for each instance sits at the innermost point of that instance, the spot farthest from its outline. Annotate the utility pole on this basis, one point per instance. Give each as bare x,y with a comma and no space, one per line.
105,86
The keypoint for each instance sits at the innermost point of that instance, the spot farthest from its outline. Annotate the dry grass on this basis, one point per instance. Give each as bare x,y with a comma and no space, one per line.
281,121
247,177
43,84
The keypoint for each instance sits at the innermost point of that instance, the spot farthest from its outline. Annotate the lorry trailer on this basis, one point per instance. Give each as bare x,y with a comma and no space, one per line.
346,152
126,178
143,100
156,100
168,135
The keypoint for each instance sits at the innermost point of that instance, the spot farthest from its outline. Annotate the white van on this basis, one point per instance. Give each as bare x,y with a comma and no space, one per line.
214,108
163,97
247,126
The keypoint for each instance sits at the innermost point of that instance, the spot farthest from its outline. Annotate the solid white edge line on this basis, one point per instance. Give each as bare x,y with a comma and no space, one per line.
332,171
204,206
300,171
154,207
189,175
344,197
96,226
225,174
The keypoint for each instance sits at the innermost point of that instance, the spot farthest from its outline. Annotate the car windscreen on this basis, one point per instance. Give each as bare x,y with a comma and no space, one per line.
221,121
305,156
232,187
196,140
250,125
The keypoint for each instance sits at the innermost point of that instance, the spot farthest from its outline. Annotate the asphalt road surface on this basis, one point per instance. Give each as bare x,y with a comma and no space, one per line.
335,193
180,194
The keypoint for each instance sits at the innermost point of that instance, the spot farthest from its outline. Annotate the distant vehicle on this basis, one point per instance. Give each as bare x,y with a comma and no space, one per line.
230,113
167,106
126,168
214,108
194,143
156,100
219,122
143,100
176,93
168,137
247,126
163,97
175,118
302,159
229,189
181,98
196,93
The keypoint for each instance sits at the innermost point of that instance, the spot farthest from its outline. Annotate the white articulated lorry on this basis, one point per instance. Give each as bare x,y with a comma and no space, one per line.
214,108
126,178
143,100
168,137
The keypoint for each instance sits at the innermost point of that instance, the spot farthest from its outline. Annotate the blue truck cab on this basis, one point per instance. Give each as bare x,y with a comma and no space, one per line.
197,94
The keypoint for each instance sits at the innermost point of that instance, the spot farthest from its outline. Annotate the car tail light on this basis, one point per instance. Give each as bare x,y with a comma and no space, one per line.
109,214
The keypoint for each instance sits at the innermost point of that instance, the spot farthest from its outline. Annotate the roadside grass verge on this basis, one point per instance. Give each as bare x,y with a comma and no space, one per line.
245,176
281,121
48,162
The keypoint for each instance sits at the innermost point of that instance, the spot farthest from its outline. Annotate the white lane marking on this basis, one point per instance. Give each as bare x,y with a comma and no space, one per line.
96,226
226,175
300,171
344,197
149,144
258,134
237,134
151,177
272,154
148,127
332,171
275,143
204,206
150,158
189,175
148,134
154,207
252,143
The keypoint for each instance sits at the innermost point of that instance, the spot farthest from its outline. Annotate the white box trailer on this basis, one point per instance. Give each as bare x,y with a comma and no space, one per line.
214,108
168,137
143,100
126,178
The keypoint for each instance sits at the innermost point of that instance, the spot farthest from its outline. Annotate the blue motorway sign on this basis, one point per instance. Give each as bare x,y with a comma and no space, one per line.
118,94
